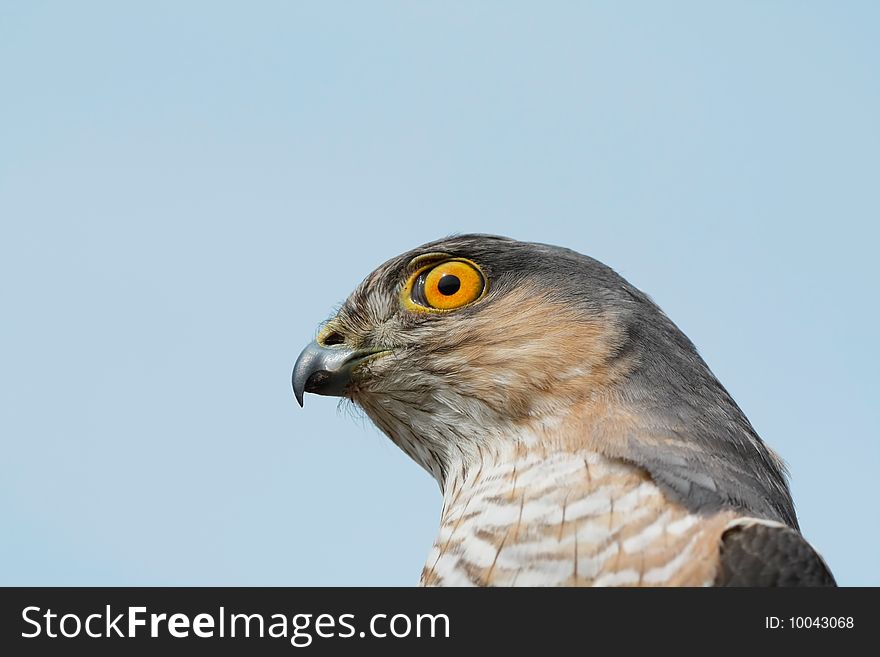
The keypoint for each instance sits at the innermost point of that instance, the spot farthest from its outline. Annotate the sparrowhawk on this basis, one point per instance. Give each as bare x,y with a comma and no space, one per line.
576,434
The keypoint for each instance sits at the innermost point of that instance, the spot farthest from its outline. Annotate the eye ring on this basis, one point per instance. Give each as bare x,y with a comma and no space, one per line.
444,286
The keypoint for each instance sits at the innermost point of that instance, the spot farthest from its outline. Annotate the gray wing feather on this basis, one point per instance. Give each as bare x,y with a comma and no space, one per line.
770,555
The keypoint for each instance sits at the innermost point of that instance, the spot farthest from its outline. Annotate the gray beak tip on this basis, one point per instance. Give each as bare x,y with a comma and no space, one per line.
298,381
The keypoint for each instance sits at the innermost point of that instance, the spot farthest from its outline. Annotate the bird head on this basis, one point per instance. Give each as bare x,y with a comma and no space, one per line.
468,343
471,336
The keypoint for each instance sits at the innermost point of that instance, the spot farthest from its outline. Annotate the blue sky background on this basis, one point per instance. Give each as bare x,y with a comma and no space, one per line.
188,189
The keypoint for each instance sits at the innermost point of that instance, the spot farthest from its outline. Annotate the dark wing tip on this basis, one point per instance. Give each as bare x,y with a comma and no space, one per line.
769,555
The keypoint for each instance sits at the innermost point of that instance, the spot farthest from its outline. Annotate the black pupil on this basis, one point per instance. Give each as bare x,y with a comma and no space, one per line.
448,285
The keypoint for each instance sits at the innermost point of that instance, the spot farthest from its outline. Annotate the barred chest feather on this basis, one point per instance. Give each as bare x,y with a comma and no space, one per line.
525,518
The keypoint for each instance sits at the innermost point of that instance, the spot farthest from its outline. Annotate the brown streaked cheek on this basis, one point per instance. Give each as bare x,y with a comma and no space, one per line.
523,347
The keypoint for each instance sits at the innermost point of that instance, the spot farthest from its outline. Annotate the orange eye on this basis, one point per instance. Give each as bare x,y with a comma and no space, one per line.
449,285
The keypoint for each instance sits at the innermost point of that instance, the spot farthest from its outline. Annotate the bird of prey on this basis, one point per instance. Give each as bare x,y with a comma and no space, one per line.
577,436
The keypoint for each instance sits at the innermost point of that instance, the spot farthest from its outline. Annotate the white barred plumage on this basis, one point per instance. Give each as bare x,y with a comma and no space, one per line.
523,518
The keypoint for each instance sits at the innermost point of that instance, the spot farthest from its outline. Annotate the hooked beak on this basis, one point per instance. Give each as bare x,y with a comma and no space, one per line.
327,370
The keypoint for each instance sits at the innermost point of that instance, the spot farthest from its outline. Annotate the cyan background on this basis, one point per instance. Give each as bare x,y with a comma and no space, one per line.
188,189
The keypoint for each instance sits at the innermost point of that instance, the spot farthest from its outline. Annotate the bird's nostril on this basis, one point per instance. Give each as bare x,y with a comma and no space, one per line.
331,338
